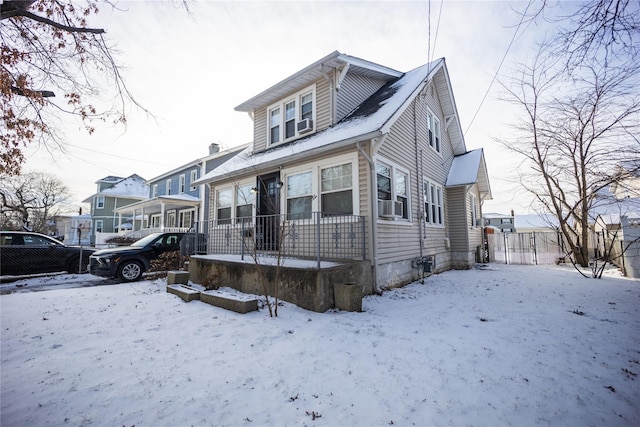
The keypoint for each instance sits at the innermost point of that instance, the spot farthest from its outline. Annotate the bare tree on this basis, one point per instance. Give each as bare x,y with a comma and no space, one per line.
581,112
31,201
53,64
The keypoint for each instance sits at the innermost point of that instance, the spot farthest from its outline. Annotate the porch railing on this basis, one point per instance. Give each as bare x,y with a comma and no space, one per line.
312,236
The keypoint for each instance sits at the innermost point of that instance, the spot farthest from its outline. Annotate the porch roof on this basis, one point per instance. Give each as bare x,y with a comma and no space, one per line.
169,201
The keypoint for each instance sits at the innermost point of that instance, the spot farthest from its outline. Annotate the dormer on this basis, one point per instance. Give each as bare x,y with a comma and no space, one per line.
313,99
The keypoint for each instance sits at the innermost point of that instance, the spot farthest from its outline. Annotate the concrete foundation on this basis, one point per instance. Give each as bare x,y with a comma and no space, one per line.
305,286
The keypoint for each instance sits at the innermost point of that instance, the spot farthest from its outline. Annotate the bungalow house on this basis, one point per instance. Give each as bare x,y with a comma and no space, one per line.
175,201
358,156
112,193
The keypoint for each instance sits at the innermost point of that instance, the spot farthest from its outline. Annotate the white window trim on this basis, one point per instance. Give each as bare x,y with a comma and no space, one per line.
234,199
281,105
435,118
315,169
395,167
182,183
100,202
154,191
474,211
431,223
194,177
168,187
181,216
99,224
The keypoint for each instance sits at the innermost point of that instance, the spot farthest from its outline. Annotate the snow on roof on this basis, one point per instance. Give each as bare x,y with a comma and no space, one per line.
370,119
133,187
535,221
464,169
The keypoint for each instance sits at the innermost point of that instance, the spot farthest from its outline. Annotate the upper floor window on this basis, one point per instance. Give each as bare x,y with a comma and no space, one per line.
100,202
393,191
154,191
183,183
505,221
168,188
194,177
292,117
433,206
433,124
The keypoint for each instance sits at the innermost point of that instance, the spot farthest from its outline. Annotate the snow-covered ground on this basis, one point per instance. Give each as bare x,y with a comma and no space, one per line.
497,346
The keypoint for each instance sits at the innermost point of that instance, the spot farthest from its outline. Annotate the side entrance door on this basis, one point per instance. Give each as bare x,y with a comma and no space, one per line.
268,212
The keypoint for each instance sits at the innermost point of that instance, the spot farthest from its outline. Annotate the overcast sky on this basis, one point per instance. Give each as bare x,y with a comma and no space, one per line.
191,71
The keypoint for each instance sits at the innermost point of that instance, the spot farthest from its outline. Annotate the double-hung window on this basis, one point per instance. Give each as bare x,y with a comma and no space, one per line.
183,183
336,189
433,124
224,204
168,192
299,195
287,119
154,191
100,202
474,211
433,206
245,198
393,191
194,177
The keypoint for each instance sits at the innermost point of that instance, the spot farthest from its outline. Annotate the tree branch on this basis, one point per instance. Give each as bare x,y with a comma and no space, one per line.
33,16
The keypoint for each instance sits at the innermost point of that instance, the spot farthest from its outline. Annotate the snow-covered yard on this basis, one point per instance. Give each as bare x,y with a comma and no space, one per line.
498,346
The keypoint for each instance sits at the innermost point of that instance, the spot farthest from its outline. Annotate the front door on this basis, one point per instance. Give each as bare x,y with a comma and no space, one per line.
268,212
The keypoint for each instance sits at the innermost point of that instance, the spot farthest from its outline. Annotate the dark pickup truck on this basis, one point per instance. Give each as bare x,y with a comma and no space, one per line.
127,263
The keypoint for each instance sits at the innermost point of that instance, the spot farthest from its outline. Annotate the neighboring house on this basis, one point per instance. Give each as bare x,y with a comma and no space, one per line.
174,201
536,222
348,138
73,229
112,193
499,223
615,219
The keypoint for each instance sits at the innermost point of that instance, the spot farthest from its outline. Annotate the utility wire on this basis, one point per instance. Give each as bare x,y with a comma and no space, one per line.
495,75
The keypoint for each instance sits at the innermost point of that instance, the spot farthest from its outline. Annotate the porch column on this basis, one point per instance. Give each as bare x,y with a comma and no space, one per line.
162,216
141,218
119,221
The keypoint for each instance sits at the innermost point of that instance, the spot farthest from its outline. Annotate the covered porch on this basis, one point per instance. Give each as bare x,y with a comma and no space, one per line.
161,214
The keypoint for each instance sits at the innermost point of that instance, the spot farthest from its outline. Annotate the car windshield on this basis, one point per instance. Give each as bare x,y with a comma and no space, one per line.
146,240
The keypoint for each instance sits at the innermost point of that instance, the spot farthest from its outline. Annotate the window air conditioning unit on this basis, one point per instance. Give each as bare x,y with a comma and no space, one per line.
305,126
390,209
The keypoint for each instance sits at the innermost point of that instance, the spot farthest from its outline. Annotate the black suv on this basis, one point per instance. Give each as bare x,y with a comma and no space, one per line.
23,253
129,262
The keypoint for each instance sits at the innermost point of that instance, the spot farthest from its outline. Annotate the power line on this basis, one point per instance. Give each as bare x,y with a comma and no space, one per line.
495,75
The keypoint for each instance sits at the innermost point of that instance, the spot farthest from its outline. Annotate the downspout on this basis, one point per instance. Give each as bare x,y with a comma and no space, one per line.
418,181
374,215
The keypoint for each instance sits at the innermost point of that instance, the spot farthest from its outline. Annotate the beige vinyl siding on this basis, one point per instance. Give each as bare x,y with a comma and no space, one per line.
354,89
475,233
260,130
323,105
458,219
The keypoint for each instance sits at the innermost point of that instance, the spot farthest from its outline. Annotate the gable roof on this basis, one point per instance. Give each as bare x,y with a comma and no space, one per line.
470,168
132,187
373,118
313,72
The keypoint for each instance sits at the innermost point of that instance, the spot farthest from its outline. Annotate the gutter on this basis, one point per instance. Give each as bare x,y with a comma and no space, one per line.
255,168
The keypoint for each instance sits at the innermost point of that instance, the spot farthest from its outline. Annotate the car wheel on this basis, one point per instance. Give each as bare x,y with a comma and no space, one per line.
130,271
